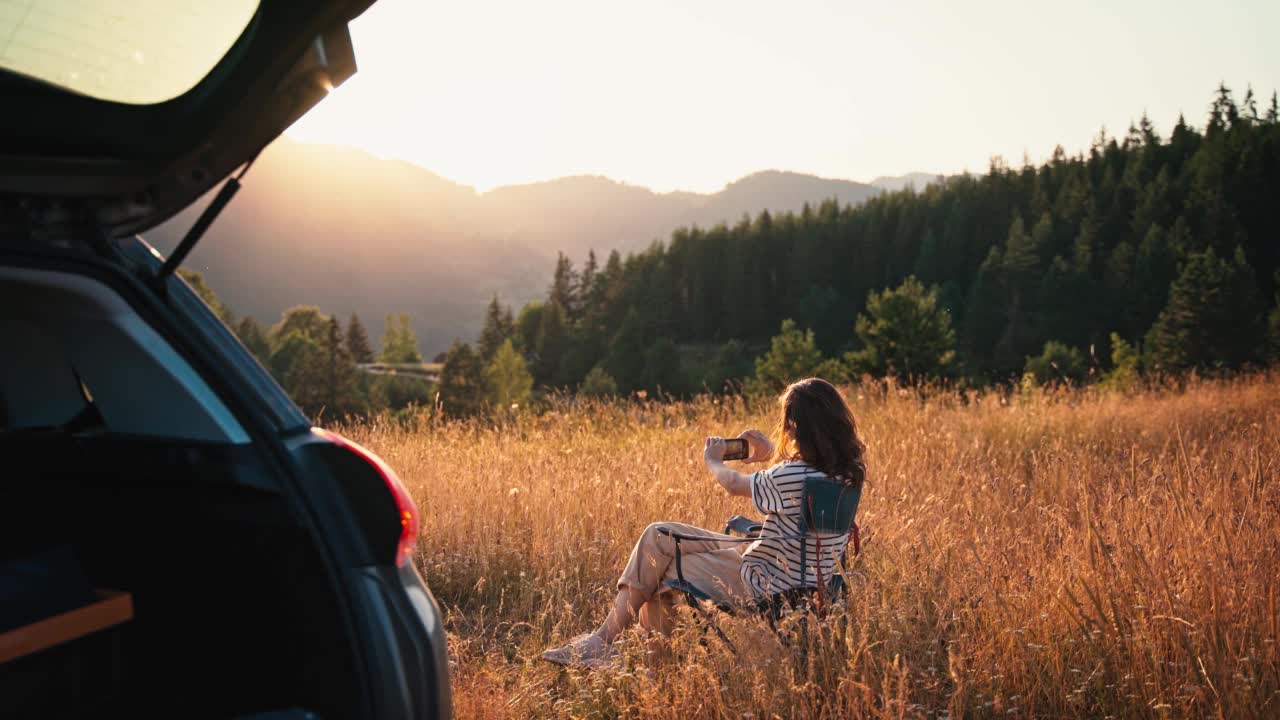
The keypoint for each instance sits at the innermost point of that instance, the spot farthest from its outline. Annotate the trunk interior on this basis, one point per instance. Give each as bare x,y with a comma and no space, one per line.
233,611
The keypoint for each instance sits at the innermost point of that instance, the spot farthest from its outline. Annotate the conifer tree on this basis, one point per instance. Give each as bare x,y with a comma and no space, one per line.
1123,374
462,384
604,281
1083,245
793,355
1213,318
552,345
1150,137
613,268
985,314
1223,113
564,287
1010,282
507,380
499,326
358,345
828,311
1022,259
585,292
390,338
1064,305
906,334
399,342
1250,106
1154,205
662,372
625,360
927,265
340,372
1155,267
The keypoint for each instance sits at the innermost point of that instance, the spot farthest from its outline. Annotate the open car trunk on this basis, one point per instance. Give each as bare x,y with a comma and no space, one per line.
124,477
232,613
175,540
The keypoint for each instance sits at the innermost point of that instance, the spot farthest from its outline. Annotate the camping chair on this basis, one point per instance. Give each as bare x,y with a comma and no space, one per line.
827,510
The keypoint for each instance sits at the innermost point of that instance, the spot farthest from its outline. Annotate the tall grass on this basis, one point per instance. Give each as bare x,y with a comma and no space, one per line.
1040,554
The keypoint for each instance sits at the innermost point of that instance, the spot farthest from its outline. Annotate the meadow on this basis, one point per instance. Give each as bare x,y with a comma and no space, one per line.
1032,554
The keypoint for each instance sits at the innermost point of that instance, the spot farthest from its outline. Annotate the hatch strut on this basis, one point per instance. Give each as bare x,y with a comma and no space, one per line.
206,219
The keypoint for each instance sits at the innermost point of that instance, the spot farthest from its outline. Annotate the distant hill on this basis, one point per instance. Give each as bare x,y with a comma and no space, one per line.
347,231
576,214
917,180
777,191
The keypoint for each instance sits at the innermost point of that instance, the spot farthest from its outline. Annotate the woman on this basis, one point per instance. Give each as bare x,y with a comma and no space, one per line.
818,437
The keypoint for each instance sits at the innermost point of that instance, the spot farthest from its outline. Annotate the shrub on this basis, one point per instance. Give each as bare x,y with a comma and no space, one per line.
598,383
1057,363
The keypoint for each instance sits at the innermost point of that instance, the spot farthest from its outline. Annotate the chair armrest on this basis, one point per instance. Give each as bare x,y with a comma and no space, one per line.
744,526
685,536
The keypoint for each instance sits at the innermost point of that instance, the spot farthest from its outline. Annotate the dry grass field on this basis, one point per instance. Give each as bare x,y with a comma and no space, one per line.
1081,554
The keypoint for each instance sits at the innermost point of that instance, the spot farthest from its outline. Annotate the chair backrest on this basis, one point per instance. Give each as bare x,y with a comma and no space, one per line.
828,507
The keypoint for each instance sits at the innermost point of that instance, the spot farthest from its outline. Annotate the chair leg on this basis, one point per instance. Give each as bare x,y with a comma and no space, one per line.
804,633
708,620
724,638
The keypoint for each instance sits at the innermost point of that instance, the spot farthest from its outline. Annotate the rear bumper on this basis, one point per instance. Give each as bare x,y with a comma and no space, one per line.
428,612
412,676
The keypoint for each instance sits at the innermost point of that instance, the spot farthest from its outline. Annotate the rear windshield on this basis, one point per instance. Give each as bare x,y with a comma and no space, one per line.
139,52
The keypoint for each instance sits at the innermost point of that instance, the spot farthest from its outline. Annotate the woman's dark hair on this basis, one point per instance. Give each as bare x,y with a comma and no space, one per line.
817,419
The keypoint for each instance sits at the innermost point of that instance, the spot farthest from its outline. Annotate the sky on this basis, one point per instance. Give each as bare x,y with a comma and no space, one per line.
693,94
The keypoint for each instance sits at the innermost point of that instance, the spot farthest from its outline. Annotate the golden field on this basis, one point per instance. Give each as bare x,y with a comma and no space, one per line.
1041,554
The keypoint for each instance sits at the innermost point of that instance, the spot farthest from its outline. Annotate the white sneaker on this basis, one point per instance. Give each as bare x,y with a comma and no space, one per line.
586,650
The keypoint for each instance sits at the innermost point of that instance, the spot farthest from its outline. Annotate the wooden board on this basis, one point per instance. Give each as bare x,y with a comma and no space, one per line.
110,609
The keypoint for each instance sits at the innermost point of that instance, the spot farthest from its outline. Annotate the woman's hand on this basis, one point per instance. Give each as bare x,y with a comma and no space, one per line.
734,483
761,447
713,450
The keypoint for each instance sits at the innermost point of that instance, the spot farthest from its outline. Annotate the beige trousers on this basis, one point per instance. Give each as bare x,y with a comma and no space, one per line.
712,565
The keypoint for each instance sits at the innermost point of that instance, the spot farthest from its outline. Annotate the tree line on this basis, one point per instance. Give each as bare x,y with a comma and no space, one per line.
331,370
317,359
1144,254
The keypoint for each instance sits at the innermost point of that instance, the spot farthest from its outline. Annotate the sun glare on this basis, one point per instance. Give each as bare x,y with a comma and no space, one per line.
677,96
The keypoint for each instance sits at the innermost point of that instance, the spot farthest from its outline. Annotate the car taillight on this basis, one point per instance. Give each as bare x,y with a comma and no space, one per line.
405,507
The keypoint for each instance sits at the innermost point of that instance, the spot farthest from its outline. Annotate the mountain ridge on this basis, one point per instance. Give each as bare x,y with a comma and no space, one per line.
349,231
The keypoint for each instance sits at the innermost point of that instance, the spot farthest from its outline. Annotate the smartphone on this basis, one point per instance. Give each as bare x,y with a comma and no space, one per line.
736,449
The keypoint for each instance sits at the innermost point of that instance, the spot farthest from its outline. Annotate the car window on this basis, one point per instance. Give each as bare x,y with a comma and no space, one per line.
139,52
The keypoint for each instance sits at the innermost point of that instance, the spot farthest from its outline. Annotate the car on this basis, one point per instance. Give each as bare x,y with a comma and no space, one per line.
176,538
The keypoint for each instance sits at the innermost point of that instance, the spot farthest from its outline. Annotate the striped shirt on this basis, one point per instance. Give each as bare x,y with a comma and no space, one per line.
772,564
